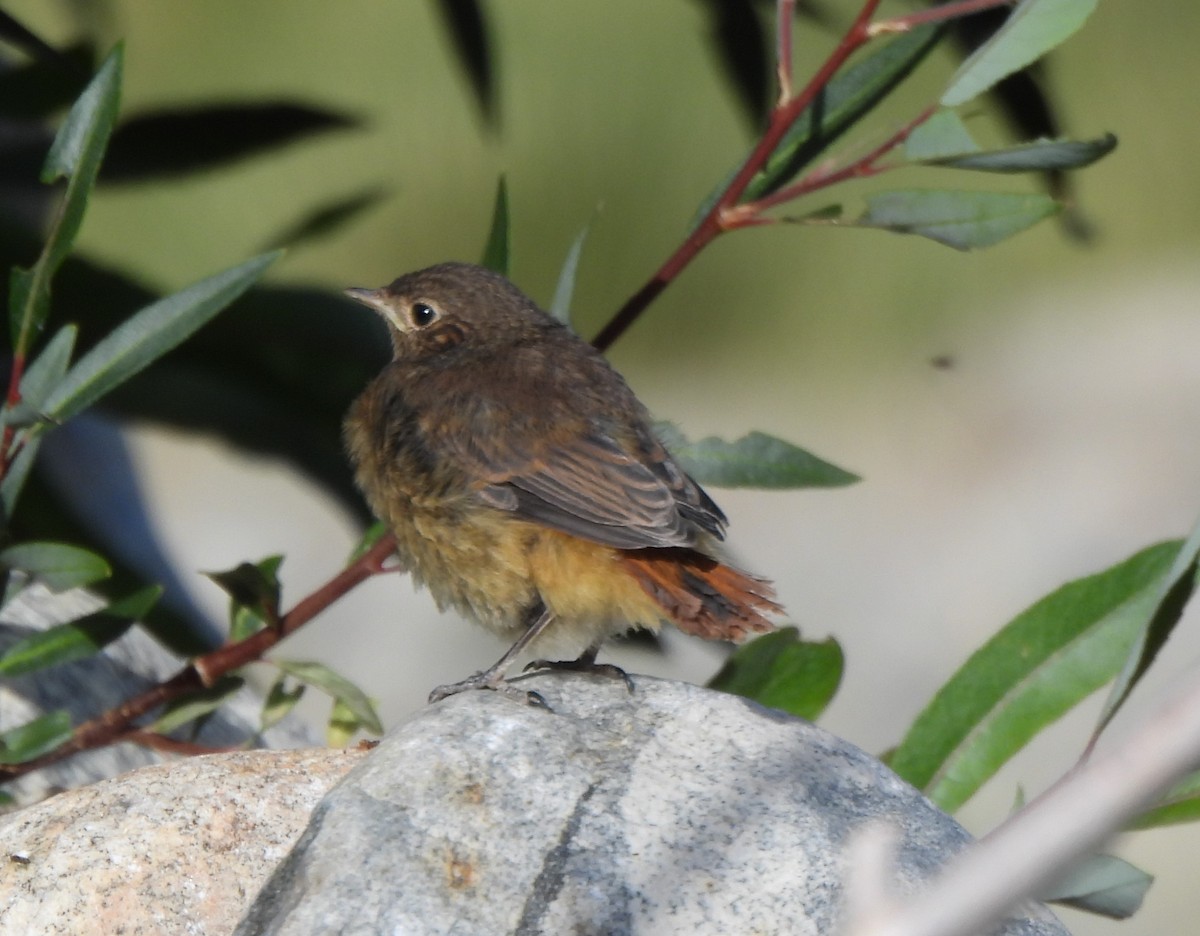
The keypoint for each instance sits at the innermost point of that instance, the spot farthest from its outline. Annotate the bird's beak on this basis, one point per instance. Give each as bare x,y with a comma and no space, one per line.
371,298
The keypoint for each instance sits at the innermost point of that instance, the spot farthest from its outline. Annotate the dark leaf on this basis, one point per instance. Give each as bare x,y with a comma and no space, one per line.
167,143
782,671
1102,884
1039,666
254,591
35,738
963,220
76,640
755,460
468,30
373,534
849,97
327,218
1040,155
496,251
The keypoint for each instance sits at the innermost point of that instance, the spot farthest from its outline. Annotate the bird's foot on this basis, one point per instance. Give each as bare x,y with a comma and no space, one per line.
492,681
585,664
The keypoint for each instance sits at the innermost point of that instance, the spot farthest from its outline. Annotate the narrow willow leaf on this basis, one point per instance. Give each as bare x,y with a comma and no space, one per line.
149,334
1031,30
18,471
48,368
75,154
560,305
59,566
320,676
962,220
943,134
851,95
327,218
1180,804
197,704
1102,884
496,251
279,702
1038,156
76,640
1039,666
755,460
35,738
782,671
1175,592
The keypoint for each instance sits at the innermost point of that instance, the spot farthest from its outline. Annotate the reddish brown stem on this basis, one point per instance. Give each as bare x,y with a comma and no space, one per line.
782,118
11,399
117,724
859,169
158,742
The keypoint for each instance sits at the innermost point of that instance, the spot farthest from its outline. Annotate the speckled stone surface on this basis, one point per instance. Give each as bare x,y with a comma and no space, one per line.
170,849
674,810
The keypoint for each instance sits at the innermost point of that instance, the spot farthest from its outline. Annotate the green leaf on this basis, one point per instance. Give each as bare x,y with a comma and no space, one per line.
149,334
784,672
1031,30
851,95
322,677
76,640
1174,593
1102,884
496,252
1038,156
755,460
343,725
254,593
58,565
1179,804
373,534
197,704
560,305
75,154
48,368
943,134
963,220
279,702
18,471
1048,659
35,738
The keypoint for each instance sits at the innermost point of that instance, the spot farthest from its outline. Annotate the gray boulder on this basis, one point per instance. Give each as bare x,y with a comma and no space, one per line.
672,810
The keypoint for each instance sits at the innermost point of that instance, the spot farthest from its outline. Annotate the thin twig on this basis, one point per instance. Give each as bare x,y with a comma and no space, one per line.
938,14
203,672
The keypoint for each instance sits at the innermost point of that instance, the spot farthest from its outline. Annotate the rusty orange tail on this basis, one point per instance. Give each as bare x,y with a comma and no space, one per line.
701,596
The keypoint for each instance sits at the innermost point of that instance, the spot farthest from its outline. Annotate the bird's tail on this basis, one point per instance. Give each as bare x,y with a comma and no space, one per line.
700,595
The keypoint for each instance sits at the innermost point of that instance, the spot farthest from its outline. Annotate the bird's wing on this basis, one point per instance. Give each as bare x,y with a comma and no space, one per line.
592,487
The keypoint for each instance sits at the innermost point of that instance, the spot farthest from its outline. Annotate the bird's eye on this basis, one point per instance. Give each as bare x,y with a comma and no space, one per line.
423,314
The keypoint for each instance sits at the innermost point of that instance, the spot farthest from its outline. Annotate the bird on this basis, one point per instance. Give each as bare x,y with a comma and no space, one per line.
524,483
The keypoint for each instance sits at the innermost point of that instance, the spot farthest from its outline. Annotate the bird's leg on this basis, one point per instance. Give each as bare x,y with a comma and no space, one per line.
586,664
493,677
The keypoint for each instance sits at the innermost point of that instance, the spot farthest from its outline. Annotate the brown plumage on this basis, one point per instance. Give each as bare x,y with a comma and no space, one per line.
523,481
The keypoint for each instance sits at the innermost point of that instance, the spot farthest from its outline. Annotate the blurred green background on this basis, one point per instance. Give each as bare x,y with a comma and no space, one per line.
1061,438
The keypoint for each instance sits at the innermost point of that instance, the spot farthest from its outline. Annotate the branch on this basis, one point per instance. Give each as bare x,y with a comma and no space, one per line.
118,724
